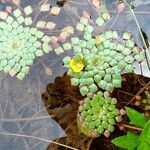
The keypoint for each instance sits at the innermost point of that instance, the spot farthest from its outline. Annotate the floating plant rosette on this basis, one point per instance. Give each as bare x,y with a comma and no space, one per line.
98,62
25,35
98,115
146,101
20,42
96,67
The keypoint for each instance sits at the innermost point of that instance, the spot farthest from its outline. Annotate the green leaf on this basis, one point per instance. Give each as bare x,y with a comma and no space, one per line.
136,118
129,141
145,135
143,146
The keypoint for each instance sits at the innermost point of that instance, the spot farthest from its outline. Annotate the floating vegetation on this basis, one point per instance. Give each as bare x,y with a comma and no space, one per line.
96,66
98,114
21,42
103,58
146,101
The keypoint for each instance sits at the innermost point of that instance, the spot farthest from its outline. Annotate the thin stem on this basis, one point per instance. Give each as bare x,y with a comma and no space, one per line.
139,92
38,138
131,127
26,119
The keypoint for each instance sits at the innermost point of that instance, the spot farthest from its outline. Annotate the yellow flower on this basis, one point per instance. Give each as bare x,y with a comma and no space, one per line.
76,66
97,41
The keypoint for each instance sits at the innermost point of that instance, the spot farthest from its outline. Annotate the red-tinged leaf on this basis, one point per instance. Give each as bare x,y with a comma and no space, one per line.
68,29
12,72
62,38
86,14
55,45
16,2
120,7
8,9
54,39
55,10
48,71
96,3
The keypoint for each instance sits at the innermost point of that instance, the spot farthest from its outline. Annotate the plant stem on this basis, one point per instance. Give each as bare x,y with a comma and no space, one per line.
37,138
139,92
131,127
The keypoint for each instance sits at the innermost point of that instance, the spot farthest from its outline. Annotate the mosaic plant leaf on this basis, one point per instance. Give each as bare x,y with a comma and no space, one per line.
21,42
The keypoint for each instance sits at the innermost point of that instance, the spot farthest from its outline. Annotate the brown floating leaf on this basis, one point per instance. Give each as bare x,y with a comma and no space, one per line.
55,45
62,38
107,134
96,3
9,9
45,7
86,14
55,10
68,29
12,72
54,39
16,2
48,71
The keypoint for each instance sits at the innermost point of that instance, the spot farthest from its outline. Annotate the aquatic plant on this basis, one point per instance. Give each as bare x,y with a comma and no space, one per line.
98,114
133,140
146,101
21,42
101,60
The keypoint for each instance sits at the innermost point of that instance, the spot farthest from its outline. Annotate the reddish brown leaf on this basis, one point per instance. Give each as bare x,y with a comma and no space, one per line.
86,14
54,39
96,3
62,38
9,9
12,72
16,2
48,71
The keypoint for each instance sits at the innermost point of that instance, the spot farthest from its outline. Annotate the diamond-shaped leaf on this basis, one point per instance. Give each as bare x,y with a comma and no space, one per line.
136,118
145,135
129,141
143,146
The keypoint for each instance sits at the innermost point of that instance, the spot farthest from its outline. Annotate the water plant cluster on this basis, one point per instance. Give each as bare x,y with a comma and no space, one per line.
99,113
21,42
97,65
146,101
98,62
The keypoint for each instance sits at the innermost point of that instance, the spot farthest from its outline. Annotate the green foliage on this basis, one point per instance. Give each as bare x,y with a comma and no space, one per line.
146,101
132,141
136,118
104,56
129,141
99,114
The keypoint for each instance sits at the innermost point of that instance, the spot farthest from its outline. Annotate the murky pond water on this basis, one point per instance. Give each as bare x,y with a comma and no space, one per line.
24,120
